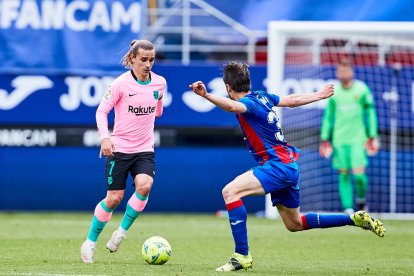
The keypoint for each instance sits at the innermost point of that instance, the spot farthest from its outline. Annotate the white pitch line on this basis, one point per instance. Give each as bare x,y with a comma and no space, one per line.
56,222
45,274
62,221
393,216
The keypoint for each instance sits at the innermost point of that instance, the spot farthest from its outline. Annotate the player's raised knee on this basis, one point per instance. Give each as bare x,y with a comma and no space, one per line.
228,193
113,198
144,188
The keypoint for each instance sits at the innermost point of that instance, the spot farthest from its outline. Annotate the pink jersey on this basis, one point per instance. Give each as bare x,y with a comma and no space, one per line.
136,106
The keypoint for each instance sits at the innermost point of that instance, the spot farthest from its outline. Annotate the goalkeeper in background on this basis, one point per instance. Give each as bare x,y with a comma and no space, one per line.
350,123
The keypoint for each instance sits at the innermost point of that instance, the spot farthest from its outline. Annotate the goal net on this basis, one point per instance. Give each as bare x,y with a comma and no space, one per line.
302,58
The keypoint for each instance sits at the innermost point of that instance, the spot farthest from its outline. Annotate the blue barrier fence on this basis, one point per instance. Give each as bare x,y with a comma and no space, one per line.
187,180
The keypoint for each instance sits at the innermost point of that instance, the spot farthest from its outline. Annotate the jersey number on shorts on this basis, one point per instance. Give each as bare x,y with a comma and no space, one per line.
112,167
110,179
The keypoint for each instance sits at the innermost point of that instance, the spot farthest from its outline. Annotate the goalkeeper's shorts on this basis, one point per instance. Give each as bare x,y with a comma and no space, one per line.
280,181
348,157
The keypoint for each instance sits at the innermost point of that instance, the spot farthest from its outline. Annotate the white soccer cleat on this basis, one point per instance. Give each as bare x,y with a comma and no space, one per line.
87,250
117,237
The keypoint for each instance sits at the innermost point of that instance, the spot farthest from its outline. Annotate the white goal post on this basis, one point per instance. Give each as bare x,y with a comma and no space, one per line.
302,55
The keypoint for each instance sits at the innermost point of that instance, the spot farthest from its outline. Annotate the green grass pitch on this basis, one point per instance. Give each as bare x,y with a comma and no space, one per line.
49,244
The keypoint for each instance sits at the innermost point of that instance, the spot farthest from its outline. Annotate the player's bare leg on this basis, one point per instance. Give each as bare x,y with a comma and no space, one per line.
291,218
102,215
243,185
135,206
295,222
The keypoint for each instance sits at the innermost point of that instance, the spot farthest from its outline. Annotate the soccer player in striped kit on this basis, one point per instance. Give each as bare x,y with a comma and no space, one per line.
278,172
136,96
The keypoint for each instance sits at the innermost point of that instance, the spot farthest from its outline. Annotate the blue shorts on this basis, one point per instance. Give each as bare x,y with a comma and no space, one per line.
281,181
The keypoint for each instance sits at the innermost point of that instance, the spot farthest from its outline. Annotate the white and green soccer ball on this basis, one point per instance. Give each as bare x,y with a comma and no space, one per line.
156,250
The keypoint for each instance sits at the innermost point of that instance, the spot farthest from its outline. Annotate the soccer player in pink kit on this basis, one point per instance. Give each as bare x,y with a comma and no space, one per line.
136,96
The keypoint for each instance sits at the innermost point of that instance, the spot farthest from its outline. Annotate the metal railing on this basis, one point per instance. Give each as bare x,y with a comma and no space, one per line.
182,21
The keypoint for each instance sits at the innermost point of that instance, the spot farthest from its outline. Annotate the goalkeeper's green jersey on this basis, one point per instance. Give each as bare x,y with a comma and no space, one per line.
350,115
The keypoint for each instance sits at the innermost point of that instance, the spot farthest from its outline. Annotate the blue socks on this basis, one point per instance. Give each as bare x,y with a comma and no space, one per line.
238,218
316,220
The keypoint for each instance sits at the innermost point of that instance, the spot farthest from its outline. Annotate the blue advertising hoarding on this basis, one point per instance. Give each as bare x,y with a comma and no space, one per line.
72,99
70,36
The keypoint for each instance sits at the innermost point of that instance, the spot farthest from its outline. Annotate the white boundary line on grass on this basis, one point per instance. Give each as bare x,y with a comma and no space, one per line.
64,221
44,274
393,216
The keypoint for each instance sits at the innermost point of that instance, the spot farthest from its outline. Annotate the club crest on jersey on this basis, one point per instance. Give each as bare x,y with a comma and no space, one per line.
156,94
108,93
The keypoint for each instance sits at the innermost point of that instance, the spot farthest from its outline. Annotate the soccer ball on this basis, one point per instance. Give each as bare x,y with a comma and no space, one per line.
156,250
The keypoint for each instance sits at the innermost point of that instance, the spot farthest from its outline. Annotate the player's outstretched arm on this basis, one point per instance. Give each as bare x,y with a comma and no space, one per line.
226,104
295,100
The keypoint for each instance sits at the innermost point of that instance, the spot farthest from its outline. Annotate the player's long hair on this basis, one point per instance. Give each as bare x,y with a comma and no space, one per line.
236,74
135,45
